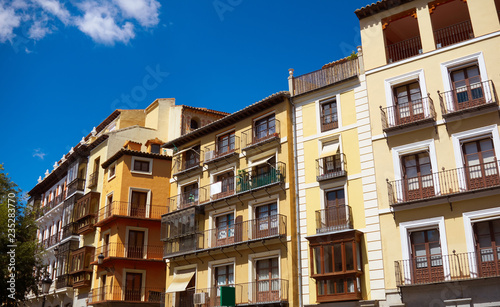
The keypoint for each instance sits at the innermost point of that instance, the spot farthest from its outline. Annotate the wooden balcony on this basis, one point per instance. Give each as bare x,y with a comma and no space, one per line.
459,181
407,115
240,232
329,122
404,49
76,185
331,167
121,296
93,180
85,212
129,251
453,34
445,268
257,136
125,209
331,74
469,99
80,268
334,218
64,281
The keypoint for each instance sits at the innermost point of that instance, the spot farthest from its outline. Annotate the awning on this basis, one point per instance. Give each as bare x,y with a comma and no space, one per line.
180,282
329,149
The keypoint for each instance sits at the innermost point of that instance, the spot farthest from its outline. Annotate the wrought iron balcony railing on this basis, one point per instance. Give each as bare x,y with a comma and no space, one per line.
130,251
251,179
444,183
442,268
408,114
219,150
331,167
92,180
184,200
184,164
69,230
218,190
467,98
120,208
404,49
333,218
76,185
63,281
453,34
125,295
260,134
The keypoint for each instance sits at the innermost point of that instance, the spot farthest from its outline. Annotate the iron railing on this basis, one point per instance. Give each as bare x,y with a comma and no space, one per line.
329,122
69,230
121,208
124,295
329,75
442,268
93,179
404,49
59,198
331,167
131,251
249,179
239,232
217,152
466,98
444,183
63,281
218,190
76,185
333,218
406,114
182,164
260,134
184,200
453,34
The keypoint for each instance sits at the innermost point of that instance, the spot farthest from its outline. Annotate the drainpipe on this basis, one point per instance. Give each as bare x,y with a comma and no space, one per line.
297,213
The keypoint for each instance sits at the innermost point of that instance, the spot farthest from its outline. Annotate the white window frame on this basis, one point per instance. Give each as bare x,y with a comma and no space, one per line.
113,165
231,167
143,282
146,235
142,159
459,138
448,66
252,267
391,83
469,219
404,231
212,216
148,200
218,263
318,105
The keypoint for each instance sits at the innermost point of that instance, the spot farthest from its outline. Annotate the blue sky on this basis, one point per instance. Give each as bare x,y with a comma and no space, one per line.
66,65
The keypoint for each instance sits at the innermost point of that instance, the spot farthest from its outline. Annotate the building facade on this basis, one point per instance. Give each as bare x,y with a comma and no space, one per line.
231,219
431,70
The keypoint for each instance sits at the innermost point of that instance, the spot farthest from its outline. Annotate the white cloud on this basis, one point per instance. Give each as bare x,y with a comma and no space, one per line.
8,21
38,153
39,29
99,23
55,8
144,11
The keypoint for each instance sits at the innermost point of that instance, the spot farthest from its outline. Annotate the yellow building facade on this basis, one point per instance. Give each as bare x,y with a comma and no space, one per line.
431,70
231,214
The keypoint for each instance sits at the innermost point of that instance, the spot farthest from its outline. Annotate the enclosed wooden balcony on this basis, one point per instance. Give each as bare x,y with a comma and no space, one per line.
474,178
122,295
240,232
129,210
408,114
222,151
445,268
92,180
469,99
63,281
129,251
260,134
85,212
334,218
76,185
331,167
81,270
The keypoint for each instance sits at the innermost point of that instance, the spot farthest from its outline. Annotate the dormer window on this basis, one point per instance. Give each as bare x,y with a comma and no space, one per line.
194,124
142,165
155,148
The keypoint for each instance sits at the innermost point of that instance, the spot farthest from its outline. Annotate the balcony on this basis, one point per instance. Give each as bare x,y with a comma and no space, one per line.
215,152
334,218
53,240
329,122
404,49
273,226
59,199
331,167
443,268
81,271
218,190
183,166
125,209
459,181
407,115
85,212
69,230
248,179
76,185
45,243
330,74
184,200
260,135
93,179
468,99
129,251
453,34
64,281
264,292
121,295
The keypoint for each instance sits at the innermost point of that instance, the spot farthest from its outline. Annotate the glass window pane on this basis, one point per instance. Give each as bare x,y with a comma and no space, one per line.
340,286
321,287
327,254
349,257
337,254
330,287
350,285
317,260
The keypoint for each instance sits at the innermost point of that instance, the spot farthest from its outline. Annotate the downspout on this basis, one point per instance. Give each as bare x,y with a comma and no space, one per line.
296,183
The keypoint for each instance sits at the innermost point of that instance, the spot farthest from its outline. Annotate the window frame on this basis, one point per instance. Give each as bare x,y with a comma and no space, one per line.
112,167
142,159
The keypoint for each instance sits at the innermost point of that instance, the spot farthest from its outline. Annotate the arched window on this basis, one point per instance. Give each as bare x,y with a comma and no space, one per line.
194,124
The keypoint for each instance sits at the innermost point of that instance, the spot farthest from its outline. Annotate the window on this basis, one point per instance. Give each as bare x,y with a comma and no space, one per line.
224,229
194,124
408,103
133,285
112,171
135,248
426,256
141,166
223,186
223,276
189,196
138,204
155,148
268,282
467,87
192,157
487,238
329,117
264,128
417,176
480,163
226,143
266,220
337,267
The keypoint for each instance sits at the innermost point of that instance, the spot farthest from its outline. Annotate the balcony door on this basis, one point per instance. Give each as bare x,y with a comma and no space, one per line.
135,247
226,185
138,204
133,286
408,100
487,235
417,176
264,128
329,117
266,221
264,174
224,276
189,195
480,164
224,229
268,283
426,256
335,213
467,87
105,245
225,144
